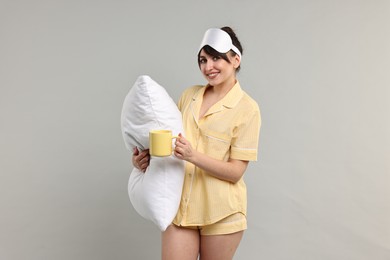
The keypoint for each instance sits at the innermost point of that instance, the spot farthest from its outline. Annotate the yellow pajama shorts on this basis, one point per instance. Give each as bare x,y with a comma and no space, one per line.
231,224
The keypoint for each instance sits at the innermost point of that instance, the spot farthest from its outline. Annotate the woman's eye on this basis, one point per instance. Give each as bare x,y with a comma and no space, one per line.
202,60
215,58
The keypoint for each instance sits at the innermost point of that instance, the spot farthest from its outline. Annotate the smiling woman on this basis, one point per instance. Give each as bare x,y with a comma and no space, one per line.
222,125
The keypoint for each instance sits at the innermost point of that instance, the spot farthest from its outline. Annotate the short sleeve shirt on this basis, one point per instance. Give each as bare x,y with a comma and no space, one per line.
229,129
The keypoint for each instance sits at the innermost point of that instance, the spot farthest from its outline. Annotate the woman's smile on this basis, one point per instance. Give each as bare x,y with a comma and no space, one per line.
212,75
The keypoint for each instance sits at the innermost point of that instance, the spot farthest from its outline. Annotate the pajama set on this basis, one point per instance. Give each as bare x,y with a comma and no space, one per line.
229,129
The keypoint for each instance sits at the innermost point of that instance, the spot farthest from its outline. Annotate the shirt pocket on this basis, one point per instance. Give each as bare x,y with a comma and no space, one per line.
217,145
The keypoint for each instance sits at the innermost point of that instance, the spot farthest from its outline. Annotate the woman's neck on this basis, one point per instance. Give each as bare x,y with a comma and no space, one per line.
222,89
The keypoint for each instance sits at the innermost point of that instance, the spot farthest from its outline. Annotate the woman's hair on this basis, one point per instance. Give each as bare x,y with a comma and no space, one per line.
210,51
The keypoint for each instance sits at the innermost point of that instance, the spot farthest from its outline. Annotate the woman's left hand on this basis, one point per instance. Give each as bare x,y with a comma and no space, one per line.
183,149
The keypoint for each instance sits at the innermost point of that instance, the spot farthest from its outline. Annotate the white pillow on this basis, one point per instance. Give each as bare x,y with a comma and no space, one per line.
155,194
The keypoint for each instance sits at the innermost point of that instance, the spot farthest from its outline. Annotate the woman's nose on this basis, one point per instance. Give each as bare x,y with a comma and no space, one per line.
209,64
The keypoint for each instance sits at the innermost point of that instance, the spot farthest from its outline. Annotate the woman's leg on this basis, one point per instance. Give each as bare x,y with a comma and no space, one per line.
219,247
180,243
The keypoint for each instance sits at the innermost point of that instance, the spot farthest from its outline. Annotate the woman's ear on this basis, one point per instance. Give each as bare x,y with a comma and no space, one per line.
236,61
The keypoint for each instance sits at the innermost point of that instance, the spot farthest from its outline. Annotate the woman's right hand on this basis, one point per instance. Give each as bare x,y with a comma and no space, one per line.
141,159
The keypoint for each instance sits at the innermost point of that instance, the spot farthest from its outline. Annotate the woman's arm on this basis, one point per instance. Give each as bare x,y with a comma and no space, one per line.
231,171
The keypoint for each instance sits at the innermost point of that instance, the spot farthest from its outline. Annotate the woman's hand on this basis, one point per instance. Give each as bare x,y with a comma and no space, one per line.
141,159
183,149
231,170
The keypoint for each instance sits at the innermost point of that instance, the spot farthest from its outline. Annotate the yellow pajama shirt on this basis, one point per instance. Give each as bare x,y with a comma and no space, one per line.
229,129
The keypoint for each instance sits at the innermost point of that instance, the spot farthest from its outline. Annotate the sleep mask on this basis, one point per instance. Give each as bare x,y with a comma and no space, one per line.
219,40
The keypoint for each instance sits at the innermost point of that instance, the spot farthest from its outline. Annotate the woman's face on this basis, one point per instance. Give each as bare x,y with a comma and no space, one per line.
218,71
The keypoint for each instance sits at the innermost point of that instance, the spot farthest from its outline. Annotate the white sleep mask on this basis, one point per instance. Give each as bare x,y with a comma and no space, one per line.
219,40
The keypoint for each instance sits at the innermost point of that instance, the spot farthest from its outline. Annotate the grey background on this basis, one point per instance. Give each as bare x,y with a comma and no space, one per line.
318,69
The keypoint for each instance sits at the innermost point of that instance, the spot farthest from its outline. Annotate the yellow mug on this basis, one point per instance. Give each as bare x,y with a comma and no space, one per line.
160,142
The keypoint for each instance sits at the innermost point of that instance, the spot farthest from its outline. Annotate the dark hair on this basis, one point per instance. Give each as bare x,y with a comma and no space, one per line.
212,52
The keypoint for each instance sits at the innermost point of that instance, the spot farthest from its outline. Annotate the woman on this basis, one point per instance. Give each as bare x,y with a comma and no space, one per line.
222,125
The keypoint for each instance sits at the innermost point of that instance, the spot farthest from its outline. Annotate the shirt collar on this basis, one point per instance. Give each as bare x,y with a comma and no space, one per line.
230,100
233,96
